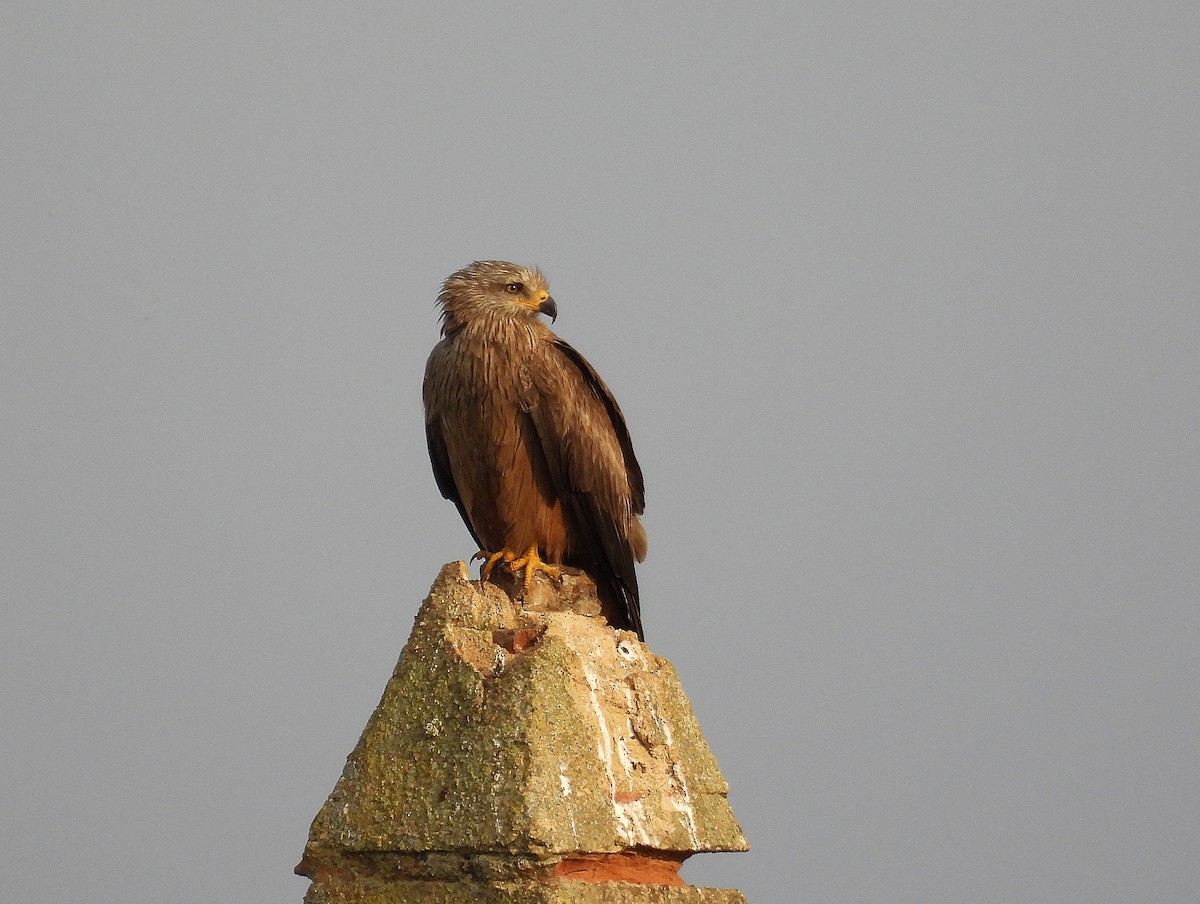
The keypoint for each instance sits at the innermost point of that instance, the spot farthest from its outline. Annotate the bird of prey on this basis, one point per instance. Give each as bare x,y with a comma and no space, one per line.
528,442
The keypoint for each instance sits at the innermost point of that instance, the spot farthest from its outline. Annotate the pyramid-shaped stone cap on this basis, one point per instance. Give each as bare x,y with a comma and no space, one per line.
540,735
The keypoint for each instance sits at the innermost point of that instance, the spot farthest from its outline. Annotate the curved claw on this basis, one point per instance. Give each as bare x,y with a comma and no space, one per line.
532,563
491,560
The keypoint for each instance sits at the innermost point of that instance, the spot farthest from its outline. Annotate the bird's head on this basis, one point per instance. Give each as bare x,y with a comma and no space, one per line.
494,290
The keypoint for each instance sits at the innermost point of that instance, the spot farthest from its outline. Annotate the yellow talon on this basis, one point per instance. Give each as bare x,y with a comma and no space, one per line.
532,563
492,559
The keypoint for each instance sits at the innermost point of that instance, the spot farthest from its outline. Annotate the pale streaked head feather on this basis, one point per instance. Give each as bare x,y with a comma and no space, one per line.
480,290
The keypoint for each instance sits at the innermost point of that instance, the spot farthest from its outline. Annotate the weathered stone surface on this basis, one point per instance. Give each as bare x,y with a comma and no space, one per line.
562,892
512,743
575,592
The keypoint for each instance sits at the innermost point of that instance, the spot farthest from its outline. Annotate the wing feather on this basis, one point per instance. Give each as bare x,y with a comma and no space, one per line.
589,455
616,419
439,457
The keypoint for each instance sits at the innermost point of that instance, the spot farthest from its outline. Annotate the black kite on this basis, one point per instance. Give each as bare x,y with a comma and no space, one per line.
527,440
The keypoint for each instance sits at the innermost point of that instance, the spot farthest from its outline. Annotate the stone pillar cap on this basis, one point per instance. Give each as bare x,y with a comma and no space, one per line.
534,738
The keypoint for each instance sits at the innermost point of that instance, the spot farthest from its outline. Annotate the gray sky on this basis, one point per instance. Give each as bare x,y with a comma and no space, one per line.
901,304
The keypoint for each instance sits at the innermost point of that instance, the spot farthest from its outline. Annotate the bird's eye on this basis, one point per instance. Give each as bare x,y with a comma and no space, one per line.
514,288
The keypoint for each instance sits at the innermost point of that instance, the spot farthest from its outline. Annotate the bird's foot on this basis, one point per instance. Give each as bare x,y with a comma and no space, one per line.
532,563
491,560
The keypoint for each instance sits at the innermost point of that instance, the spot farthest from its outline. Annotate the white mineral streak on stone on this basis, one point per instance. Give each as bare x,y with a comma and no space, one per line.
658,720
630,816
630,653
682,802
623,750
637,815
566,790
662,724
681,799
605,750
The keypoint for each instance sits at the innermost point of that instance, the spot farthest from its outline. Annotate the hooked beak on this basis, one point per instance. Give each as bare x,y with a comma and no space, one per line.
549,308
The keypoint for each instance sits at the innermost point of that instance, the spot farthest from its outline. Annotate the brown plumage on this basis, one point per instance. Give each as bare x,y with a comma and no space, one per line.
527,440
